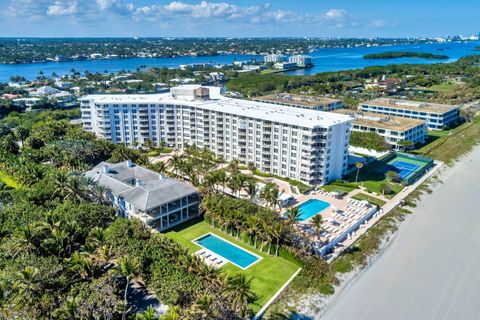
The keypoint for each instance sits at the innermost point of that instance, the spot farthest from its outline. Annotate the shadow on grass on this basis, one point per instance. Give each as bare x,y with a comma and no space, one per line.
374,171
185,225
430,139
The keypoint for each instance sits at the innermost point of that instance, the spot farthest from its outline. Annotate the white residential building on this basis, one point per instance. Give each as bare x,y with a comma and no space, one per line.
285,65
158,201
393,129
438,116
44,91
301,60
306,145
274,58
302,101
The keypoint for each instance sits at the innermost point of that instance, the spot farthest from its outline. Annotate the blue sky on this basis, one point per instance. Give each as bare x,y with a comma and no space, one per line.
243,18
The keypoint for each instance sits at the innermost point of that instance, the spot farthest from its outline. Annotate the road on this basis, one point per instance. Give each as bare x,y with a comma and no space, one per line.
431,269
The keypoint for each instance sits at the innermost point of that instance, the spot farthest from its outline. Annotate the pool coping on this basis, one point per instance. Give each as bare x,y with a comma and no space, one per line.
312,199
259,258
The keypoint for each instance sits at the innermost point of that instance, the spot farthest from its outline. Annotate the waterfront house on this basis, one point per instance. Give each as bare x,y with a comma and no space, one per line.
158,201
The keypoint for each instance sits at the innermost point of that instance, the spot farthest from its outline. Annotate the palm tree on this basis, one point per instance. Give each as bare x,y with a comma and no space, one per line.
252,230
20,133
159,167
28,282
81,264
173,313
96,236
238,182
251,167
126,267
175,163
203,308
276,232
233,167
273,195
25,240
251,189
222,178
149,314
9,144
68,310
317,223
58,243
69,187
100,194
293,215
233,186
359,166
238,291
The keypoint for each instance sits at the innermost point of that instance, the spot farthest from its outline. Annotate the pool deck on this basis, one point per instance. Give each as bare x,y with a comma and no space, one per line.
340,220
351,218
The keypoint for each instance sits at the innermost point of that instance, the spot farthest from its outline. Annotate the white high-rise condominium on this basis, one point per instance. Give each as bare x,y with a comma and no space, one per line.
307,145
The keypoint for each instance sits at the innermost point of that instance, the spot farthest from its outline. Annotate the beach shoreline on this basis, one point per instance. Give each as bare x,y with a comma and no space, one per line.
359,286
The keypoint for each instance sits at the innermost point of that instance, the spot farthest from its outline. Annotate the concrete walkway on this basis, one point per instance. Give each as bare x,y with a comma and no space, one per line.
430,270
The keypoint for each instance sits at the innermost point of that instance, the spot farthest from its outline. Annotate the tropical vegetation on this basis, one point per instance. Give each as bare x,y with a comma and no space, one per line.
64,252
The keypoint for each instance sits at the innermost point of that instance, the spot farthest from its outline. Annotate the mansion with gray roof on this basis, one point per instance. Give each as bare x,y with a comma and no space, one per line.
158,201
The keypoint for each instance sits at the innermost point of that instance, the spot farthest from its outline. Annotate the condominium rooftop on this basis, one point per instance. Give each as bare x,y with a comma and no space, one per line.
141,187
411,105
246,108
297,99
376,120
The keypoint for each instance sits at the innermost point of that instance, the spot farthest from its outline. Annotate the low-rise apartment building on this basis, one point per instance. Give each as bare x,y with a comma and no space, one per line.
285,65
393,129
140,193
438,116
306,145
302,101
274,58
301,60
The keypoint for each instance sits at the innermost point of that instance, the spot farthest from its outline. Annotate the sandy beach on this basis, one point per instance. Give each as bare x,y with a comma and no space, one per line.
430,270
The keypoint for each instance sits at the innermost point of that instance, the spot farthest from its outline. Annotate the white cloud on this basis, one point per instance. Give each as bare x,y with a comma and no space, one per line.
379,23
188,14
336,14
62,9
115,6
30,8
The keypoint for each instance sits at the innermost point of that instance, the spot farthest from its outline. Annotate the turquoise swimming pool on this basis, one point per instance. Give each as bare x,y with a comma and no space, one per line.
227,250
310,208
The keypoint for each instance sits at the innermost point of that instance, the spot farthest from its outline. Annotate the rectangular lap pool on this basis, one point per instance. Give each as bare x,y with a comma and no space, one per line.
310,208
229,251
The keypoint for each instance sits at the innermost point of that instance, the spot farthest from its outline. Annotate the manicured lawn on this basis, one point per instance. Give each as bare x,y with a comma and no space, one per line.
302,187
268,275
333,187
372,178
266,71
9,181
443,87
371,199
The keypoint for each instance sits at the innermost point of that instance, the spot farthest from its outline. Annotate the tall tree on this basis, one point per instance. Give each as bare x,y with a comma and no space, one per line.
128,268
